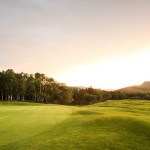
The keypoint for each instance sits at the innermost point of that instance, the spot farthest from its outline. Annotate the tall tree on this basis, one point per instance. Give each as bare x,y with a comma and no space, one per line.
9,84
2,84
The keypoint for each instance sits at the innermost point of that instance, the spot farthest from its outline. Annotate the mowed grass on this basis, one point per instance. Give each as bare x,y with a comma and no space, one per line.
111,125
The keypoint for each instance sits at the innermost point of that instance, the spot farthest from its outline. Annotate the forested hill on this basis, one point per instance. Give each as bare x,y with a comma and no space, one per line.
139,91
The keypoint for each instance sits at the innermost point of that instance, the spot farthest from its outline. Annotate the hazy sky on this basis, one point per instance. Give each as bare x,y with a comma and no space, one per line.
99,43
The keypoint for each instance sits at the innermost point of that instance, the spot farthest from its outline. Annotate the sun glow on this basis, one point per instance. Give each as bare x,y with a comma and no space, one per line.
113,74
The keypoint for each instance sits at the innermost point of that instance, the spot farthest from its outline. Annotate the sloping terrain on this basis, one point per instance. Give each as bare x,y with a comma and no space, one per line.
143,88
111,125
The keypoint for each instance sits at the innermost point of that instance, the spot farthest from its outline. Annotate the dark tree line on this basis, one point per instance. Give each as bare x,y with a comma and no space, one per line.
39,88
137,95
91,96
35,88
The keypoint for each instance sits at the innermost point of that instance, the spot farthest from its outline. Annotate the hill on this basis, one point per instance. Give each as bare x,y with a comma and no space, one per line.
143,88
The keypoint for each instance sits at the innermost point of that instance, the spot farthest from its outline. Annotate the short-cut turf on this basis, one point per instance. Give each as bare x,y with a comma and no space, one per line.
111,125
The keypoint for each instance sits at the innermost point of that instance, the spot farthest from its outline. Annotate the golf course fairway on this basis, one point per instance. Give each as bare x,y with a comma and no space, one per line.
110,125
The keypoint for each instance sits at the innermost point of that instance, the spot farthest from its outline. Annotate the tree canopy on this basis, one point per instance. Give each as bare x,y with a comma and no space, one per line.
33,87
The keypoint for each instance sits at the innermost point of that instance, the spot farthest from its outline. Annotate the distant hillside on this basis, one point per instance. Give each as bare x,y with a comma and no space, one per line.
146,84
78,87
143,88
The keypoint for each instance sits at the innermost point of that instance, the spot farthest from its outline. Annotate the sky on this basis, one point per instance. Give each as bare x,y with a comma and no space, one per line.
100,43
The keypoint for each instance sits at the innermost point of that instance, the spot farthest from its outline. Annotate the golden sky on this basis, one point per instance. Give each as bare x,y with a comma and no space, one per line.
99,43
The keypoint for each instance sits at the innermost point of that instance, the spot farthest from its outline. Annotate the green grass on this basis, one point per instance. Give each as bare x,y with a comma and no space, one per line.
111,125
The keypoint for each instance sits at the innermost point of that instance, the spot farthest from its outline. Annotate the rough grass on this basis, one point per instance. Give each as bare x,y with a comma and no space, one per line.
111,125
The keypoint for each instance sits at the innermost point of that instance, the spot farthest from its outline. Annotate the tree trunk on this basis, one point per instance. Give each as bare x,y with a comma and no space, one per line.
2,96
18,97
23,98
11,94
6,96
35,97
11,97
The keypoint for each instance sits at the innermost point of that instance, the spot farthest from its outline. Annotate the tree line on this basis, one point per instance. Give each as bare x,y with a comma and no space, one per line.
33,87
42,89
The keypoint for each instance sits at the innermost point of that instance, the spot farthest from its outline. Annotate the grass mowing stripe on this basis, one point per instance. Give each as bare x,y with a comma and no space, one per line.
23,122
